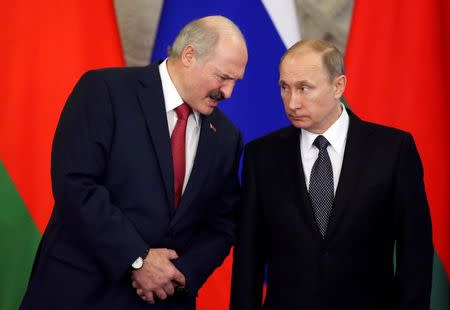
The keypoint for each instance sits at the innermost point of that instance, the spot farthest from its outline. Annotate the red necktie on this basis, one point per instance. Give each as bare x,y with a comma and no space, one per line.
179,149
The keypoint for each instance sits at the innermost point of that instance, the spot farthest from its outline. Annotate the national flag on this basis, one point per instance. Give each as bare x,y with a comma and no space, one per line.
398,70
46,46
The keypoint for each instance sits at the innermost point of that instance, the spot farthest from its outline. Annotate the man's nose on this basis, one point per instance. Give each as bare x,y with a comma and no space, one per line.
294,102
227,89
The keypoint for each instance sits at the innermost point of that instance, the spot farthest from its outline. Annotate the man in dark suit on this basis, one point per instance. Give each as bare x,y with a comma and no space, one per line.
144,172
327,200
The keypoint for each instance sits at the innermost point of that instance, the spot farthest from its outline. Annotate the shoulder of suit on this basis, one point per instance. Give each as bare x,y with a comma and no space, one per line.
118,74
273,138
384,130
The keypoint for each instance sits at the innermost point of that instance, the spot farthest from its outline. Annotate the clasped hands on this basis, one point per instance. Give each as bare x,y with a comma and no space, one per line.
158,277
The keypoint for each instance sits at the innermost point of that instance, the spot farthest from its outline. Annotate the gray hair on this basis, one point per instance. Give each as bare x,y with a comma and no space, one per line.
203,34
332,58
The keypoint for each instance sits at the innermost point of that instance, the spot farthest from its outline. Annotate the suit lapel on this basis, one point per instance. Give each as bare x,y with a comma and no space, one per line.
292,169
352,168
151,99
206,151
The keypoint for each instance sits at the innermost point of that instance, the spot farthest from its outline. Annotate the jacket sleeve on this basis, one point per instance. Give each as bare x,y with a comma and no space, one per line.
414,249
83,204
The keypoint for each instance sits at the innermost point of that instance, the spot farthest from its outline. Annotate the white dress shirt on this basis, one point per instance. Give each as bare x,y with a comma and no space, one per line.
172,100
337,136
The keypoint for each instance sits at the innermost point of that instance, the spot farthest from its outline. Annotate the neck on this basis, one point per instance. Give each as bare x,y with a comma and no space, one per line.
173,70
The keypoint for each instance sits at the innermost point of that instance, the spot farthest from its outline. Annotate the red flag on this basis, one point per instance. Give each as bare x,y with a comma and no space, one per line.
46,46
398,72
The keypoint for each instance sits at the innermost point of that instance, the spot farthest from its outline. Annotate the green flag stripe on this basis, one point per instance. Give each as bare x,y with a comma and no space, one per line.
19,238
440,293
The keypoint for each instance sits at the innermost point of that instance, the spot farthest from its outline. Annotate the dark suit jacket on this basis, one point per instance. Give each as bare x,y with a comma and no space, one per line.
380,201
112,180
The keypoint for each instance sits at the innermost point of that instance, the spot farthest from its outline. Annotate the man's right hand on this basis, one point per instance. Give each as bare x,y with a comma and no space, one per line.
158,276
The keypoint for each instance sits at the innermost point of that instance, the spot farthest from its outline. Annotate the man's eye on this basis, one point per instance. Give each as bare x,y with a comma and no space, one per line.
304,88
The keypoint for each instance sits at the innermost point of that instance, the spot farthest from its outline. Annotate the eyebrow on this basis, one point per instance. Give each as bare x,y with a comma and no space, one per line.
301,82
227,77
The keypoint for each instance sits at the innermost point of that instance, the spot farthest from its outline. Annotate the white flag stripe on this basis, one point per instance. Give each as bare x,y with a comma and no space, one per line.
284,16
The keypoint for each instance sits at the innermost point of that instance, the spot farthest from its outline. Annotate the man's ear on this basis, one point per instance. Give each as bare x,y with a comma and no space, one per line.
188,55
339,86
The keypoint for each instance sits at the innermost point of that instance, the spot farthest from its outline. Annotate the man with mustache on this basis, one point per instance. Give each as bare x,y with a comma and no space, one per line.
327,200
144,174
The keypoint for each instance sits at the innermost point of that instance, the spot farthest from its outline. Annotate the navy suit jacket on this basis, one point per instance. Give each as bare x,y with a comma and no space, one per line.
112,177
380,201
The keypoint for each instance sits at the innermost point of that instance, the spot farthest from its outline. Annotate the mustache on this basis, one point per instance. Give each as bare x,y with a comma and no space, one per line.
216,95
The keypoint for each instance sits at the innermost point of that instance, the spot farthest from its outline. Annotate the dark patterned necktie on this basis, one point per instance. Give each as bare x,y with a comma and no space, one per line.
178,142
321,187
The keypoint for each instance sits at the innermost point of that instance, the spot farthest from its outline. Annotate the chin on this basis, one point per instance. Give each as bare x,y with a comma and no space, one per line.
299,124
206,110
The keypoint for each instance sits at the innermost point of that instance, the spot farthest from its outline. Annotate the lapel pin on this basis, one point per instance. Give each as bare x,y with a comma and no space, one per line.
211,126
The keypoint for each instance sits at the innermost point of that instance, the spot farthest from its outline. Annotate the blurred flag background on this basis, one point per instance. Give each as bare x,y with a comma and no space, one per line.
45,48
398,72
397,64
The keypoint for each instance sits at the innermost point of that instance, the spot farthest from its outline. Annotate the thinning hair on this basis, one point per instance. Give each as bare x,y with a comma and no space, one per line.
203,34
332,58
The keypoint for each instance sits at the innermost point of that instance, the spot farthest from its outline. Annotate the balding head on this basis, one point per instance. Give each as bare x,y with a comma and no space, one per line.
207,58
203,35
332,59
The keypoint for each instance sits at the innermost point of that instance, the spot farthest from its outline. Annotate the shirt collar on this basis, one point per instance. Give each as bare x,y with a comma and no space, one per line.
336,134
172,98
